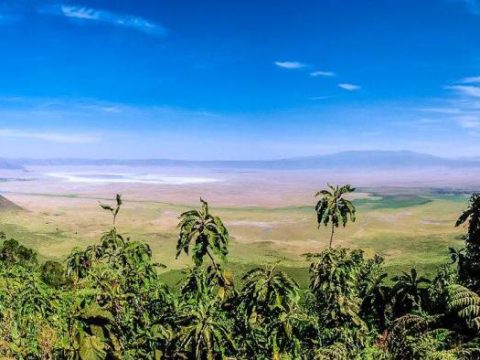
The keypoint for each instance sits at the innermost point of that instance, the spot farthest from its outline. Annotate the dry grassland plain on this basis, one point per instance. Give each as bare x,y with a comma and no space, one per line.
269,214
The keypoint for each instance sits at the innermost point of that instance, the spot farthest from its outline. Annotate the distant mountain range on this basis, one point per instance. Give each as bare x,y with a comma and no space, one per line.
9,164
347,160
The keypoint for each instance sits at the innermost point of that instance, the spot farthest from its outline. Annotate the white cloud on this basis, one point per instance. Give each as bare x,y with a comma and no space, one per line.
468,90
81,12
322,73
428,121
114,109
349,87
290,64
49,136
469,121
90,14
461,107
442,110
471,80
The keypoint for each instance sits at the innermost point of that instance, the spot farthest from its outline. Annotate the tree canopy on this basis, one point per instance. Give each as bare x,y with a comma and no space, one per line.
108,301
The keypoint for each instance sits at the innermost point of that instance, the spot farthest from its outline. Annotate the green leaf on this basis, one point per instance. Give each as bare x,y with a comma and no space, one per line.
106,207
92,348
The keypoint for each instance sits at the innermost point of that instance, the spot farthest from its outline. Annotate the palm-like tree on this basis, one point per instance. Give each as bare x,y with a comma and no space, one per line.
407,289
375,297
333,209
204,233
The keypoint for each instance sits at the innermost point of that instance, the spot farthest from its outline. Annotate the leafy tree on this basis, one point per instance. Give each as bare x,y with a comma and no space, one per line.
408,292
78,263
450,335
335,284
94,336
107,301
375,294
205,235
333,208
267,291
53,273
469,260
12,252
445,276
269,299
204,331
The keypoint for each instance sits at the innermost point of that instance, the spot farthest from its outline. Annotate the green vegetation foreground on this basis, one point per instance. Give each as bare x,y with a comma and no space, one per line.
107,301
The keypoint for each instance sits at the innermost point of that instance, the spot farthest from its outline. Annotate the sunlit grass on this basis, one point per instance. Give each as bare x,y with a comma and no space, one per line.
408,230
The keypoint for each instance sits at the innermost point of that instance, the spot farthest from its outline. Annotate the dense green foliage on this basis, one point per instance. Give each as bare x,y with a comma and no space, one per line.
107,301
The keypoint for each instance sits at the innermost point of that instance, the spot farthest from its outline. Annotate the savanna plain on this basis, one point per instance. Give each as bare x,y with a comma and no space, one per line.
407,216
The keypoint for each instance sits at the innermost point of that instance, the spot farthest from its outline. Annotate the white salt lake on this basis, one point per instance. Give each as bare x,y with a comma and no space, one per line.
107,178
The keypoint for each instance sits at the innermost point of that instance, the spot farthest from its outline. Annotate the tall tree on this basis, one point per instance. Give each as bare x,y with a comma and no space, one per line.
469,260
269,300
333,208
205,233
335,286
408,292
267,290
204,331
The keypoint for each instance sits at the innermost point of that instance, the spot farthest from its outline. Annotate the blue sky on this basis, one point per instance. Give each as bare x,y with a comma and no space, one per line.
238,79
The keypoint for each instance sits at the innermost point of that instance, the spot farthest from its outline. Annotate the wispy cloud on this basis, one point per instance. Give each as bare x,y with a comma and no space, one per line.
462,106
115,109
441,110
471,80
290,64
95,15
322,73
349,87
468,90
56,137
469,121
420,123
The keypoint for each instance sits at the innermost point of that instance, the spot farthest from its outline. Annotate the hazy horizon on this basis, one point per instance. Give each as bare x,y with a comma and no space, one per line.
375,153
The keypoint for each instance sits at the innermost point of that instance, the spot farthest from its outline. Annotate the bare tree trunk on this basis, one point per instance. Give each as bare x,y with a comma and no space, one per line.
331,236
